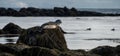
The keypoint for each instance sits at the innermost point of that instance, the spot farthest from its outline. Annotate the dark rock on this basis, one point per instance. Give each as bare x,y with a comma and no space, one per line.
38,51
12,28
25,12
11,12
88,29
4,48
1,31
73,12
117,50
57,11
77,53
24,50
104,51
3,11
6,54
49,38
12,48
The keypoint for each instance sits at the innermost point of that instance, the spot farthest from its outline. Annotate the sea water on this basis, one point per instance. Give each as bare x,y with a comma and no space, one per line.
100,29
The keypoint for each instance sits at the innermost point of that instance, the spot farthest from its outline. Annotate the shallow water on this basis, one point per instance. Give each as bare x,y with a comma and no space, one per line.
100,28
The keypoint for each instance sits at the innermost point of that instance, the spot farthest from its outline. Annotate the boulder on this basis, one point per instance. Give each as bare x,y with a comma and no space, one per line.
12,28
104,51
49,38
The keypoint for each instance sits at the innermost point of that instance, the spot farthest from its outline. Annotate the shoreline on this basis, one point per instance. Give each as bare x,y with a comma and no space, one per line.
56,11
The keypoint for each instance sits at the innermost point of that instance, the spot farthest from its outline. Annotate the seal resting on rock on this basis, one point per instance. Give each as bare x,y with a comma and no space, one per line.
44,36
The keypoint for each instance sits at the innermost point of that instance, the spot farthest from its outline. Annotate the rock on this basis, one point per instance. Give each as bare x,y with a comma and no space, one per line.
12,28
104,51
24,50
77,53
4,48
48,38
1,31
73,12
6,54
3,11
12,48
11,12
38,51
59,11
25,12
117,50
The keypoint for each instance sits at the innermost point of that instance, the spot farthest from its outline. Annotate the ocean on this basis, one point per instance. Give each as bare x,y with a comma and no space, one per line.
111,11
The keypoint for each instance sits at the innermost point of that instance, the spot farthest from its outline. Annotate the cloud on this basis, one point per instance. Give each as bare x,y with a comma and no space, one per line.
12,3
21,4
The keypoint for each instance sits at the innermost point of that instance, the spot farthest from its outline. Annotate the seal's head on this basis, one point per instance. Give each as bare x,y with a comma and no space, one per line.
58,22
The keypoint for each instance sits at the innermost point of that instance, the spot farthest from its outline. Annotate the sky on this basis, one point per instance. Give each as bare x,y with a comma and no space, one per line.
61,3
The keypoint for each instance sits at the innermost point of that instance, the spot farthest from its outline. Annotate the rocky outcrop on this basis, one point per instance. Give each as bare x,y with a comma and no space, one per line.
49,38
56,11
106,50
11,49
6,54
38,51
12,28
25,50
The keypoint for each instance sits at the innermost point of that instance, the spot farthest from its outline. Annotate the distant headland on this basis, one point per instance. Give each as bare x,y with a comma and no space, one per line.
56,11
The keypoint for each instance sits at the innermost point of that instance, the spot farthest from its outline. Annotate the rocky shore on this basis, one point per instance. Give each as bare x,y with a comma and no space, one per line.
39,41
56,11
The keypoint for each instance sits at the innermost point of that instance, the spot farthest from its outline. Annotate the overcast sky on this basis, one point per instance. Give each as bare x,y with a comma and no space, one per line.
61,3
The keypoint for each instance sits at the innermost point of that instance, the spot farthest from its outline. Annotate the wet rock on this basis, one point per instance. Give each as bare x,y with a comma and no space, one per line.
77,53
49,38
38,51
6,54
4,48
12,48
104,51
12,28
